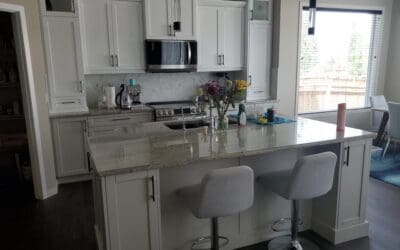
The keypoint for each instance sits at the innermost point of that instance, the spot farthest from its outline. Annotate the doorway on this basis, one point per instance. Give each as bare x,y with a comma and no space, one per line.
27,107
15,164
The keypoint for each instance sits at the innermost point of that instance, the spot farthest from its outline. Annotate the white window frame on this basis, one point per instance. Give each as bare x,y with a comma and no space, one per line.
371,88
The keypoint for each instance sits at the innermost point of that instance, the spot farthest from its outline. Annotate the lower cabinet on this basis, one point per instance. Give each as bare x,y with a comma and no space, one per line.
340,215
127,211
69,140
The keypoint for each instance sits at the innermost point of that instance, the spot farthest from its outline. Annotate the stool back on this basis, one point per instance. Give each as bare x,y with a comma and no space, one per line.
312,176
226,191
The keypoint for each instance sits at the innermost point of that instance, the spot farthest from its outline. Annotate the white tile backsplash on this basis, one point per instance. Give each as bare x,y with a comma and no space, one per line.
155,86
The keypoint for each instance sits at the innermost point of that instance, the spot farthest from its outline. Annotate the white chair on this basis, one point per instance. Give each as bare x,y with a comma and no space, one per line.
222,192
311,177
379,102
393,130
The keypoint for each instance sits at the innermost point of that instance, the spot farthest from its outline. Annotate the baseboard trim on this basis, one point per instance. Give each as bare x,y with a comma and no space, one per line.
72,179
337,236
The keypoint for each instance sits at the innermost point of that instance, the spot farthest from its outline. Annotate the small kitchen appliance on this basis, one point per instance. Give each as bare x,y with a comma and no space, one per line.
123,98
171,55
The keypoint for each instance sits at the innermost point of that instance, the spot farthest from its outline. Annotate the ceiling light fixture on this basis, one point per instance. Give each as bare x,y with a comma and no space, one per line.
313,10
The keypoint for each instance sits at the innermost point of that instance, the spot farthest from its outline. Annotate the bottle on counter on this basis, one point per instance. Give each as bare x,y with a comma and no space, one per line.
242,117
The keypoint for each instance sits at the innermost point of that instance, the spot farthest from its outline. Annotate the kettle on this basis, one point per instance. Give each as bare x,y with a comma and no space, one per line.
123,98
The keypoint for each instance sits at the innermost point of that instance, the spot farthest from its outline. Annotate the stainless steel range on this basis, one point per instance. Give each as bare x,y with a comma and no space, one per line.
177,111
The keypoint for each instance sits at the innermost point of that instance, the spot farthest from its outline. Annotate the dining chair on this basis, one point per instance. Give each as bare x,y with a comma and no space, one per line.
393,130
378,101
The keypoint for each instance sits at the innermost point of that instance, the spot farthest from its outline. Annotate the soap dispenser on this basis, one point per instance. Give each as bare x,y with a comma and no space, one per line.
242,117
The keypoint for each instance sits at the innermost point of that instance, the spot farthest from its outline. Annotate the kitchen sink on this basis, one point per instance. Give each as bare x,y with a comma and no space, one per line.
188,124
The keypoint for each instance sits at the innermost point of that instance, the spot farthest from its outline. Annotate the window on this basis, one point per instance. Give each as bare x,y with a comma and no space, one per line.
338,63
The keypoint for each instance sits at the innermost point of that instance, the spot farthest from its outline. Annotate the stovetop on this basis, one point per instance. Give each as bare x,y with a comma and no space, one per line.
172,110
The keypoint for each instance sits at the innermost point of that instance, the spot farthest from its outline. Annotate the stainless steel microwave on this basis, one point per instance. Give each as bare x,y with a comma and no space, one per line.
171,55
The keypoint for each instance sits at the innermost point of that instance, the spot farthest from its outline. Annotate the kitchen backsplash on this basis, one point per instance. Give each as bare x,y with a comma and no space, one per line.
155,87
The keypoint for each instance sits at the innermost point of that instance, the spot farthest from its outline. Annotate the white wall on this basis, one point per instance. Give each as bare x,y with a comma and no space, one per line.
392,85
288,48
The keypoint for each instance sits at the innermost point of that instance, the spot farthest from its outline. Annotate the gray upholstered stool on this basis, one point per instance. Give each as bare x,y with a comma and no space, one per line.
222,192
311,177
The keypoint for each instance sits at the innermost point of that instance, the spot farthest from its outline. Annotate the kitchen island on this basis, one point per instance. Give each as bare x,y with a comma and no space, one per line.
139,169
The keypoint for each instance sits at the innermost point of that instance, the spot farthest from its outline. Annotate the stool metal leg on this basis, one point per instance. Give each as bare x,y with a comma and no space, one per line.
292,242
214,233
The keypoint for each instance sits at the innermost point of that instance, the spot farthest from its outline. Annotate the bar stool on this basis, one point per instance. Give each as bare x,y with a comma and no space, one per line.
222,192
311,177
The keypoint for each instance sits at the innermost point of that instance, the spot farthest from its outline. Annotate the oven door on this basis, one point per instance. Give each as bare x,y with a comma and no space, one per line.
171,56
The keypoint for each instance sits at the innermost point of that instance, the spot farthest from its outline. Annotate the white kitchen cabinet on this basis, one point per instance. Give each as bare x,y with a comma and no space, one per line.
221,35
162,14
354,178
340,215
69,141
259,60
128,211
64,64
112,36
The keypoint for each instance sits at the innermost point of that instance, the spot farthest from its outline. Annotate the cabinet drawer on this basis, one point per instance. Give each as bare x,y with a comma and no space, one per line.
117,120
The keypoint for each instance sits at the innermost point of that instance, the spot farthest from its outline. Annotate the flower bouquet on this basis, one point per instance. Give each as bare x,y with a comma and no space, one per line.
223,96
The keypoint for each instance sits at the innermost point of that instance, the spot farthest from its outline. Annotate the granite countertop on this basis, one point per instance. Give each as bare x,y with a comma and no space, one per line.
153,145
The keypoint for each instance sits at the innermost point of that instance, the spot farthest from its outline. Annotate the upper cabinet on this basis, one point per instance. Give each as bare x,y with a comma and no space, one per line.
171,19
62,8
112,36
221,35
259,50
64,64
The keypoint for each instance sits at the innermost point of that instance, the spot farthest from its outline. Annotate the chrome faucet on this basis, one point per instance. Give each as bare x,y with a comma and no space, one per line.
183,120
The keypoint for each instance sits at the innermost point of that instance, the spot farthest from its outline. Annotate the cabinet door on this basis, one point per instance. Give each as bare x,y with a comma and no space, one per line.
185,11
134,211
96,36
157,19
209,42
233,33
259,61
353,183
128,36
69,136
63,53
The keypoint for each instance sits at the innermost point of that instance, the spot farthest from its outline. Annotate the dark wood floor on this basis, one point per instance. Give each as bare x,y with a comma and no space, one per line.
65,222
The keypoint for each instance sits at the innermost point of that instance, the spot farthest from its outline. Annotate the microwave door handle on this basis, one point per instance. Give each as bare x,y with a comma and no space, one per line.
189,53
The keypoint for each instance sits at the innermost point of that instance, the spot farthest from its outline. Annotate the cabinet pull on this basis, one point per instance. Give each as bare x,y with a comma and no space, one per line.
68,102
219,59
250,80
116,60
223,59
120,119
347,161
88,161
112,60
81,83
153,195
84,126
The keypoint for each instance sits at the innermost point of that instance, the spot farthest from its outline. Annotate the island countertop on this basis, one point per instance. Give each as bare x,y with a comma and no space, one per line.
153,145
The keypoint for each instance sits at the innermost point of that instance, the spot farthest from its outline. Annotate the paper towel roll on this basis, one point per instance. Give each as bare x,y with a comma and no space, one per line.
110,96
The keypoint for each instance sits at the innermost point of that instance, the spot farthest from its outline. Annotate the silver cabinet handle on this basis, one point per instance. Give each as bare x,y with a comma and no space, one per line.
259,91
250,79
71,102
112,60
251,15
120,119
153,195
223,59
219,59
116,61
81,83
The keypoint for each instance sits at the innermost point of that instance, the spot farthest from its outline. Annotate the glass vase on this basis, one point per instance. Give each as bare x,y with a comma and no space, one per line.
222,122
